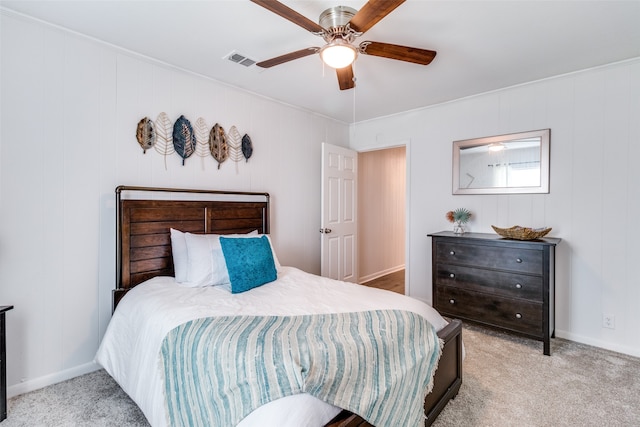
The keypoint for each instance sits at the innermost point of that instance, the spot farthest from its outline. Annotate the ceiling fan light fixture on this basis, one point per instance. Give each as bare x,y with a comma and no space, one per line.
338,54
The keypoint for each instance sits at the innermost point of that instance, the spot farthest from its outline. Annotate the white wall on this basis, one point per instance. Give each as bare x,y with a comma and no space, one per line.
594,117
70,107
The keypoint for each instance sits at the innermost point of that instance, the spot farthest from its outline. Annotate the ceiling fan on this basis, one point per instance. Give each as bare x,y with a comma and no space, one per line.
339,27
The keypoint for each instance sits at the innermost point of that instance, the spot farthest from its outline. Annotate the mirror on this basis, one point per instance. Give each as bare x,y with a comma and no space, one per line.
504,164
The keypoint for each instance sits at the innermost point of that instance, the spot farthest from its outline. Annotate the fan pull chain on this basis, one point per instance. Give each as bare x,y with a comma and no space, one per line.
355,87
354,106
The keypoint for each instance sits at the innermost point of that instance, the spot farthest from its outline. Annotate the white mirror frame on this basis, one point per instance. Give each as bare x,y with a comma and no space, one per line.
544,135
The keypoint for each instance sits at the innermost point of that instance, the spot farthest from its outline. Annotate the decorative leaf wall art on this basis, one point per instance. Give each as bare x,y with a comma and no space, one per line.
218,144
164,140
234,140
184,140
146,134
247,147
201,130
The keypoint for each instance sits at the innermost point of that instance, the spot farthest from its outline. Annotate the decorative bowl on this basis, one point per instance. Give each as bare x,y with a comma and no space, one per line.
521,233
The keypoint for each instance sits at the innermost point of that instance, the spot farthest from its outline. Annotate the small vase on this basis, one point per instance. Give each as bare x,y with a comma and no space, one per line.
458,228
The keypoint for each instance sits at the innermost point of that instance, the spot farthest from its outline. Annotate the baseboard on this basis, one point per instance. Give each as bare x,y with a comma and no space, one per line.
378,274
47,380
635,352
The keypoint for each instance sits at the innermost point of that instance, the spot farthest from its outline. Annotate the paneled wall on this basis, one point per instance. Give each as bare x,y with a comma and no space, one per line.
595,189
68,115
381,207
70,107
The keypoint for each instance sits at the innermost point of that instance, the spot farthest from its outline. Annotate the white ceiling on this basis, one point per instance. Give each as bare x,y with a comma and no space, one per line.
481,45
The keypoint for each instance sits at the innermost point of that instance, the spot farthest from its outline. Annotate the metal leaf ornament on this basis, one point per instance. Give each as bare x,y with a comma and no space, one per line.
163,145
234,140
184,140
202,137
247,147
218,144
146,134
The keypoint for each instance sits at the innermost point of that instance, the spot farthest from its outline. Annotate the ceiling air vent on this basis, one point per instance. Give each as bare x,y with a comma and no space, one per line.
240,59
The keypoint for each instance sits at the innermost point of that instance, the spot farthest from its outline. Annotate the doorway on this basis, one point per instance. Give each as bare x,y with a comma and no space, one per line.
382,216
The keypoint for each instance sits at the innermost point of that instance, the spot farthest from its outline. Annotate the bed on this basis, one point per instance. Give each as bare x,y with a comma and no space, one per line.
151,306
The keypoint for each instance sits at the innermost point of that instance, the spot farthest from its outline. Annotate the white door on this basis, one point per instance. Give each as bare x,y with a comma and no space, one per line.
338,219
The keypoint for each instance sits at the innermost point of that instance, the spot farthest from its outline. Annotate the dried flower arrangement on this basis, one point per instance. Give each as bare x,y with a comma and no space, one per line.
459,217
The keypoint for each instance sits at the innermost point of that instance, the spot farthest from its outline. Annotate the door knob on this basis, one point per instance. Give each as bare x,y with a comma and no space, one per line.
325,230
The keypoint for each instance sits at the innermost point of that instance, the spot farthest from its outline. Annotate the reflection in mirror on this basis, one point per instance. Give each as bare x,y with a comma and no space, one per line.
515,163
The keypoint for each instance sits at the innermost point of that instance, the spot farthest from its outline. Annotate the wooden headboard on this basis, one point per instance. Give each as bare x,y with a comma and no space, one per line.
143,239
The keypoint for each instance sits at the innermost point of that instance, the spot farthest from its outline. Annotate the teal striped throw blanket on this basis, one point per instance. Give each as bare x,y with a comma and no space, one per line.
377,364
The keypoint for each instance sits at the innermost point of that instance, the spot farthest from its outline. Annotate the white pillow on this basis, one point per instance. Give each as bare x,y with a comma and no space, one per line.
179,252
273,251
205,261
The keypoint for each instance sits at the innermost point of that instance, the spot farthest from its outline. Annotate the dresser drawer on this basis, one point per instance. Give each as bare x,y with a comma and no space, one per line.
517,315
490,281
503,258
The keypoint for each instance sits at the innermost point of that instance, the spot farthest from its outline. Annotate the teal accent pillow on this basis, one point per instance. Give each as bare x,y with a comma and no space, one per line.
249,262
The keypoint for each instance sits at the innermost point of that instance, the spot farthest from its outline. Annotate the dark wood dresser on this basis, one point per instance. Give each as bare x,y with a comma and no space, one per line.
3,363
503,283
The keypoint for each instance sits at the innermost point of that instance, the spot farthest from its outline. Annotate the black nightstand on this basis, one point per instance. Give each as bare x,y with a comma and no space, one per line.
3,364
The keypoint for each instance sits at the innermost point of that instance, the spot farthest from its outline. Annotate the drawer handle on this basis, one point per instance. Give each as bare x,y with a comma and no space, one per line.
452,301
452,275
518,316
518,260
452,252
518,286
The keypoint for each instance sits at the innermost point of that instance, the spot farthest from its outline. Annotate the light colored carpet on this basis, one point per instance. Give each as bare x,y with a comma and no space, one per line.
507,381
89,400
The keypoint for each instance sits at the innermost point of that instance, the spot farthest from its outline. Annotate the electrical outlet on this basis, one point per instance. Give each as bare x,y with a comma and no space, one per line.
608,321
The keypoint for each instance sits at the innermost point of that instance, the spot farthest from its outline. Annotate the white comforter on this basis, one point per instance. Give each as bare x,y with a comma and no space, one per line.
130,349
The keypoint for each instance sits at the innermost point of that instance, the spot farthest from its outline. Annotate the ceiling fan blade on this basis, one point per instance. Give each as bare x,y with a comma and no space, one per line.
401,53
290,14
372,12
287,57
345,78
